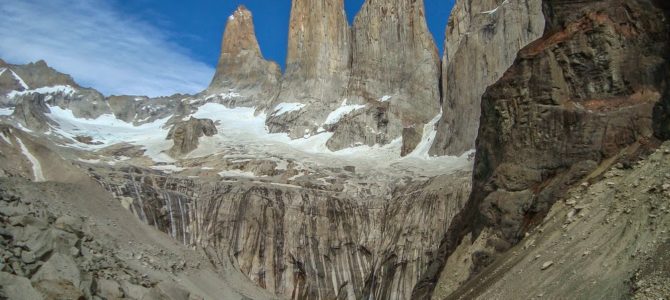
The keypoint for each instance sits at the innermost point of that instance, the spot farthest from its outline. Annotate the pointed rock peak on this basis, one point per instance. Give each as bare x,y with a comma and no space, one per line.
242,73
240,14
240,33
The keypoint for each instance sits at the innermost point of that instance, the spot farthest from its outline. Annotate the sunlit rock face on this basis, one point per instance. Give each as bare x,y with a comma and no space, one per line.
482,40
243,77
317,66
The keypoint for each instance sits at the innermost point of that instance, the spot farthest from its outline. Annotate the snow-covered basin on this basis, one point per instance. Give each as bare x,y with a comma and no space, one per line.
242,132
240,127
108,130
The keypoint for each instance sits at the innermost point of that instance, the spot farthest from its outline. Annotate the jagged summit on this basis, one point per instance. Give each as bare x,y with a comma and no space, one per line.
243,77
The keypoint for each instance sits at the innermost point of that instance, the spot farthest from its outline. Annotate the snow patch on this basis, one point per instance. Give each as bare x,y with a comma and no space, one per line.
57,89
342,111
6,138
6,111
429,133
37,167
386,98
20,80
236,173
168,168
2,71
490,12
283,108
108,130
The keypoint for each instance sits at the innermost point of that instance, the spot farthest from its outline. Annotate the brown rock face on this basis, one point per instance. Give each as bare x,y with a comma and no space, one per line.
579,95
187,134
482,40
243,77
317,65
395,71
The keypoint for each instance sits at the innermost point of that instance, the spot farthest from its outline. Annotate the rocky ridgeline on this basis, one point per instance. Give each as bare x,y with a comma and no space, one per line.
48,256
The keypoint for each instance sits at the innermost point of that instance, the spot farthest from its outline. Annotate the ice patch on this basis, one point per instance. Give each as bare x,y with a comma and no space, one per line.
342,111
385,98
6,111
20,80
57,89
283,108
37,167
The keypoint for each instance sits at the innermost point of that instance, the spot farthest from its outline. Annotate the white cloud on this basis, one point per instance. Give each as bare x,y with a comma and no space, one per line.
99,46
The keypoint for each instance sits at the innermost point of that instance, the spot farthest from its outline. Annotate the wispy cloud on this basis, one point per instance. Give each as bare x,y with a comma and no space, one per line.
99,46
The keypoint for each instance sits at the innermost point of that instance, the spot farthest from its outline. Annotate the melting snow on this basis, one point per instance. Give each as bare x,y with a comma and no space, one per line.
429,133
6,111
236,173
37,168
62,89
283,108
20,80
342,111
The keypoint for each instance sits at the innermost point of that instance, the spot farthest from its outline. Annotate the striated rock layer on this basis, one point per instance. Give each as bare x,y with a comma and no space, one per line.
243,77
580,97
482,40
317,66
301,242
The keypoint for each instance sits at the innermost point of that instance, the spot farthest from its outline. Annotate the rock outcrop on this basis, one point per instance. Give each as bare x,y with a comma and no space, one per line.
243,77
31,110
580,97
482,40
395,73
317,66
186,135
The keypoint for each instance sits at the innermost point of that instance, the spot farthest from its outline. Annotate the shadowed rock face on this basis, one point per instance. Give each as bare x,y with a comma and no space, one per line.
243,77
317,65
394,58
482,40
186,135
579,95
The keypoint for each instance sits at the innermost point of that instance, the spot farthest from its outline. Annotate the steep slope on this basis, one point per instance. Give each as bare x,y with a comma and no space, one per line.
482,40
395,73
576,100
606,240
317,66
243,77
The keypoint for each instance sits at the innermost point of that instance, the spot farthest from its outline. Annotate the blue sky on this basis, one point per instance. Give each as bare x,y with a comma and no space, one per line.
148,47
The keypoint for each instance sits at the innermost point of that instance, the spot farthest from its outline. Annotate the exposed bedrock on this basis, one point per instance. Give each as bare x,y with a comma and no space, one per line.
298,242
317,66
583,93
482,40
243,77
186,135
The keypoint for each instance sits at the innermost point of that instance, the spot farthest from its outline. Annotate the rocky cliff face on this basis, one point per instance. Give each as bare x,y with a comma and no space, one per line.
395,73
30,112
301,240
186,135
482,40
243,77
317,66
580,97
